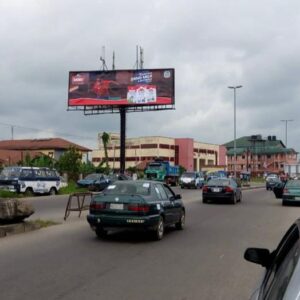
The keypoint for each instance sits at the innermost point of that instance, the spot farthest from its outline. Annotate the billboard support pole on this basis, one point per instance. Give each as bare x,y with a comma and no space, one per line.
122,139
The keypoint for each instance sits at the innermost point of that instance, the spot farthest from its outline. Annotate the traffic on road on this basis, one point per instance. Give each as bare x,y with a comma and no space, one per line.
58,260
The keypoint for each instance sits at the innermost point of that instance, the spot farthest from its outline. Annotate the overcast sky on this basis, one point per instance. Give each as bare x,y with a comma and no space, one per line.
211,44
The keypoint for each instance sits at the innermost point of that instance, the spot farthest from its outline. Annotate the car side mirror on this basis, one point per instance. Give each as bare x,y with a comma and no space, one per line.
177,197
259,256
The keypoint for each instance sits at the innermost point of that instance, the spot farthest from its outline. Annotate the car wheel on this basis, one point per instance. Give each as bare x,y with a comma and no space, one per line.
101,233
284,203
180,225
240,200
52,191
160,229
204,200
233,199
28,192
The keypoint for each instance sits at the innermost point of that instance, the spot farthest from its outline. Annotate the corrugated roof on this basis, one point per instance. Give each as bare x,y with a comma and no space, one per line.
40,144
248,142
261,150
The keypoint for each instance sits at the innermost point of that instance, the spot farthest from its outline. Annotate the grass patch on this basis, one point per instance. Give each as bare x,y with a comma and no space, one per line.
71,188
43,223
8,194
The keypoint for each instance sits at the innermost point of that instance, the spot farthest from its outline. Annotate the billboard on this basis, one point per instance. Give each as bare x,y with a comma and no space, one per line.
121,87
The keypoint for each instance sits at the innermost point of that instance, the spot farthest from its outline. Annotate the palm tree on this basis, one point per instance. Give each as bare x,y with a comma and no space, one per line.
105,140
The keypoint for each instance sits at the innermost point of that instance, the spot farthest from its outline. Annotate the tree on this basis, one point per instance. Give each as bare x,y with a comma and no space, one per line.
87,168
105,140
42,161
70,163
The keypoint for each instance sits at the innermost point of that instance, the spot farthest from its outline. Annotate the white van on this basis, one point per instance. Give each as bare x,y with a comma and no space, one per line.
30,180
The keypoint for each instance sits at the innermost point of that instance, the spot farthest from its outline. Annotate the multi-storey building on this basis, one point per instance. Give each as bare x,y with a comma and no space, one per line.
190,154
258,155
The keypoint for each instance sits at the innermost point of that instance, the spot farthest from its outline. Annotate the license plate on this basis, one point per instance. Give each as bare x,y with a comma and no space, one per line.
216,190
297,198
116,206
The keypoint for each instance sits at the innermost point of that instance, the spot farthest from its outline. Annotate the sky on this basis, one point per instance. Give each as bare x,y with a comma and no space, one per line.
210,44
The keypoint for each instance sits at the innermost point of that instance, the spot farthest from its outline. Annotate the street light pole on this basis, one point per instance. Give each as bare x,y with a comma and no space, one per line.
234,121
286,122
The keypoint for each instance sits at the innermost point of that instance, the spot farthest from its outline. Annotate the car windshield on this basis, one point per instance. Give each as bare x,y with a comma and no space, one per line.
188,175
219,182
11,172
155,166
125,188
293,184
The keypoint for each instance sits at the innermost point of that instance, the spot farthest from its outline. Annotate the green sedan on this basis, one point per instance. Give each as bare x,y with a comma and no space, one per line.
139,204
289,191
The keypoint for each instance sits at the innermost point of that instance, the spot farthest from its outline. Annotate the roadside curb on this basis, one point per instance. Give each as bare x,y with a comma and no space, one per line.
253,187
10,229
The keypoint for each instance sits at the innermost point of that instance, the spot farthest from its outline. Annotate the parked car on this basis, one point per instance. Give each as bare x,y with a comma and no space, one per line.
288,191
282,268
136,204
222,189
94,182
30,180
271,182
191,180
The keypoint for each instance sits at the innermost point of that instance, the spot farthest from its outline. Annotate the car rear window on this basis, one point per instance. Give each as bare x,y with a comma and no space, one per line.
293,183
219,182
125,188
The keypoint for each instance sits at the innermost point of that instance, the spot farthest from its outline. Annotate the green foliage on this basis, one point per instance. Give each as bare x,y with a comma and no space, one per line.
42,161
8,194
103,169
71,188
87,168
43,223
70,163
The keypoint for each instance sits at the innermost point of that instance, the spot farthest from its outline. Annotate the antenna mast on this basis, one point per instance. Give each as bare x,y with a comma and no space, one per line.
102,59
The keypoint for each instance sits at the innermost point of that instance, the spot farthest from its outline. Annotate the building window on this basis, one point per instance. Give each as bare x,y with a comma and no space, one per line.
149,146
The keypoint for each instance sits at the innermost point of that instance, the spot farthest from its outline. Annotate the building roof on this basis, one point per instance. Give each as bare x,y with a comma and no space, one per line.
257,145
40,144
249,142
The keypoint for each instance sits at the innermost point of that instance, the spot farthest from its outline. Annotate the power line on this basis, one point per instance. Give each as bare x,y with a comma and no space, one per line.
44,130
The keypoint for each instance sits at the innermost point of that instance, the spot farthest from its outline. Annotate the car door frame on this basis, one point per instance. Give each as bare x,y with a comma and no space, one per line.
166,204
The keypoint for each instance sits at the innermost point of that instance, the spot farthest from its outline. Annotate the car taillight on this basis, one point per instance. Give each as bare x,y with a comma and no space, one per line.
228,189
97,206
205,188
285,191
139,207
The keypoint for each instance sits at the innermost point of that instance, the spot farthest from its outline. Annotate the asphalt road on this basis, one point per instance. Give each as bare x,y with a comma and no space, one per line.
205,261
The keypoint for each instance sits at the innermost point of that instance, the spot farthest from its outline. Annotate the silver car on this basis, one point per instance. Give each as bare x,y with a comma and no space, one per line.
282,268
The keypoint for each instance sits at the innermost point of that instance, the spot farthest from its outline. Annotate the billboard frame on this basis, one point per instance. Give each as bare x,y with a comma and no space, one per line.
111,108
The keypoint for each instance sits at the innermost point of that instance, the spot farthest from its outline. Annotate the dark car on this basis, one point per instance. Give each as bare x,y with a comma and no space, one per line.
272,182
138,204
282,268
222,189
100,185
288,191
94,182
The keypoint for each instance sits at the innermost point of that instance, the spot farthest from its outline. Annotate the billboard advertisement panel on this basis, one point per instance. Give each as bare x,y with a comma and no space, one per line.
121,87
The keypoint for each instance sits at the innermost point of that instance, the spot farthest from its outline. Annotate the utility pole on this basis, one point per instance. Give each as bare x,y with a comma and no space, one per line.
286,122
234,121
